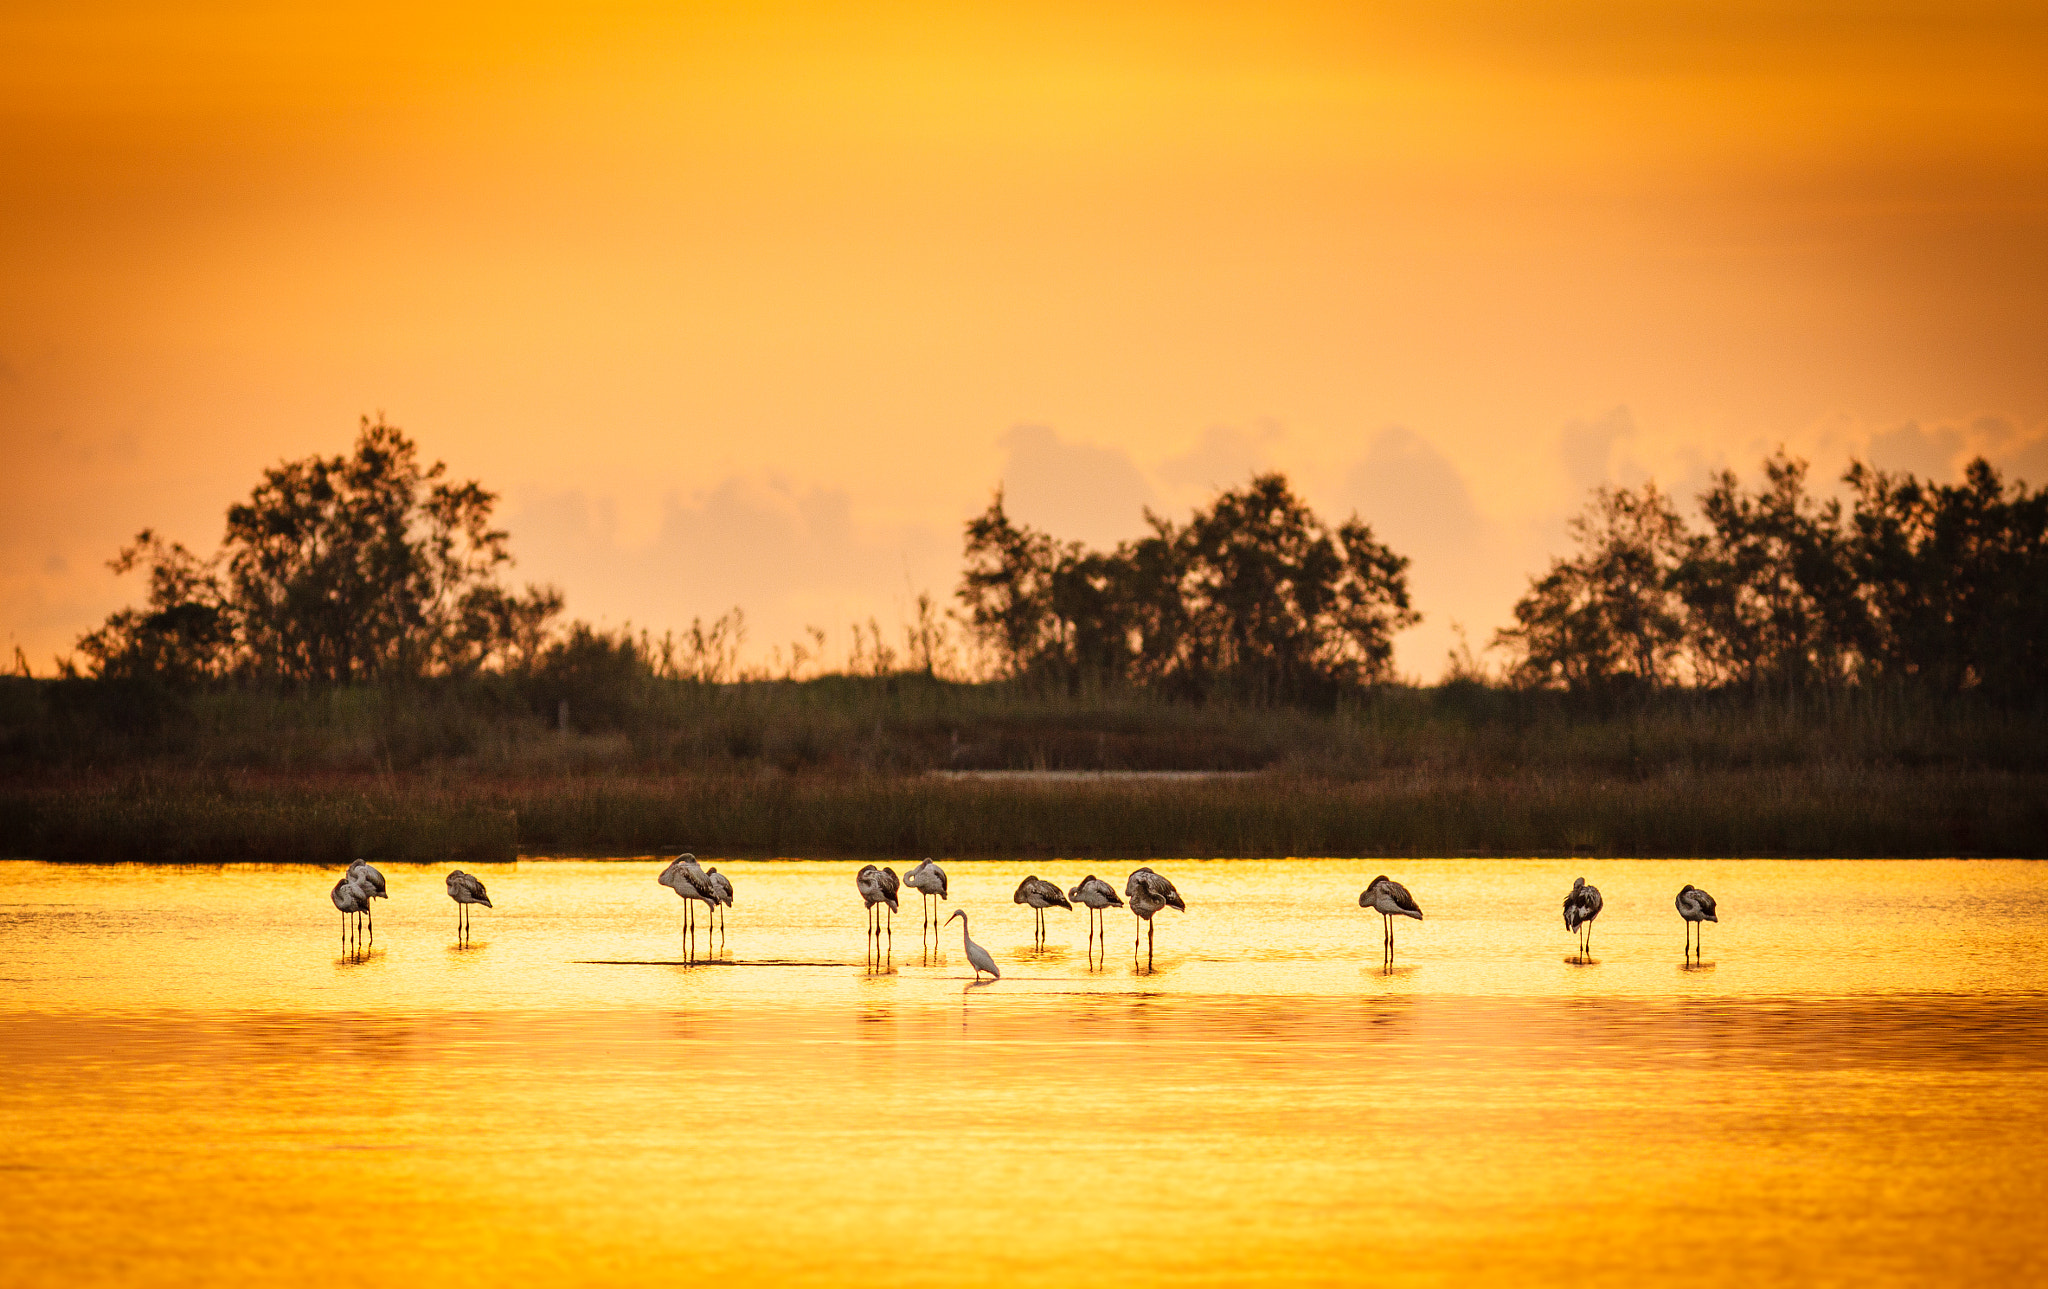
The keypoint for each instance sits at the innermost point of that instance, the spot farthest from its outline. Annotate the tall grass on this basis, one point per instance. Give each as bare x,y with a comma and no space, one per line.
1810,812
838,766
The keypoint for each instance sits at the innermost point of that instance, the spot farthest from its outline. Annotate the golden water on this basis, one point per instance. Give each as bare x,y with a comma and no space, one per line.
198,1085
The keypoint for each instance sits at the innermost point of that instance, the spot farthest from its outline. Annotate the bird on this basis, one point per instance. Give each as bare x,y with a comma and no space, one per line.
877,886
690,883
1390,900
349,897
1148,893
1096,895
1580,908
929,880
721,886
977,956
1695,906
1040,895
369,875
365,875
465,891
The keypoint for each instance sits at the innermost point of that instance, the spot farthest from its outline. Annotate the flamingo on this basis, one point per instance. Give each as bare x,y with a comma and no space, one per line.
1390,900
877,886
1096,895
367,873
929,880
1148,893
690,883
977,956
1695,906
721,886
1040,895
350,899
1580,908
465,891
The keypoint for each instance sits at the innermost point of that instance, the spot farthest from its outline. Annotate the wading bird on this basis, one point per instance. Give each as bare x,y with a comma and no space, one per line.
929,881
351,899
465,891
1096,895
1695,906
1040,895
366,874
1580,908
877,887
1390,900
977,956
721,886
1148,893
691,884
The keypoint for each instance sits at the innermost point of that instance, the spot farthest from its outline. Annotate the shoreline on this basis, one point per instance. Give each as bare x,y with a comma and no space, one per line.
158,816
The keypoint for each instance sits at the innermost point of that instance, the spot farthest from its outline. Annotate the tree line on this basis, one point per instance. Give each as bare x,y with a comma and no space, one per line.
372,567
1914,584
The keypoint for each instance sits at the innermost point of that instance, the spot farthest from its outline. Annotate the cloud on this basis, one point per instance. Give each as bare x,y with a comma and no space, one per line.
1075,491
1941,450
1225,457
1466,568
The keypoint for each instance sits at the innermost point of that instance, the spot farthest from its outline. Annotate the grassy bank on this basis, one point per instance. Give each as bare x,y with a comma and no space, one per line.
843,765
1823,811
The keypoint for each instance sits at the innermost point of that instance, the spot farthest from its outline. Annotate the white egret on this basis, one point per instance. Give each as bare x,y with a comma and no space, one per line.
1695,906
1390,900
977,956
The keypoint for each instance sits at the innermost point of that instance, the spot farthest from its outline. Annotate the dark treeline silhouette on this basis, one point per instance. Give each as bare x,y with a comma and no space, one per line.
1253,598
363,568
372,568
1915,585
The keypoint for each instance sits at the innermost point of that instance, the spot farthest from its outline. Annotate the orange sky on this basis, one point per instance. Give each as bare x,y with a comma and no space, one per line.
754,304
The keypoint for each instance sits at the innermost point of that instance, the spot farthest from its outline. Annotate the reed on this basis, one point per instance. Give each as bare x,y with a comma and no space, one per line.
328,819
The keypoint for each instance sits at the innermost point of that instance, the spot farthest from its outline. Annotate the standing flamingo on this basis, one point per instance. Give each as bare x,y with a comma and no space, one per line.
1580,908
465,891
878,887
721,887
691,884
1390,900
1040,895
1148,893
929,880
1096,895
1695,906
351,899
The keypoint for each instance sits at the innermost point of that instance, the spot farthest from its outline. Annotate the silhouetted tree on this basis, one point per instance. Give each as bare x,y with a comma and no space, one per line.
337,569
1767,588
1254,597
1954,580
1608,615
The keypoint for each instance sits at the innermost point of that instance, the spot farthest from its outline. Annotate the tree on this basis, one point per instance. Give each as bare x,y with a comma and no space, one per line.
1954,581
1006,587
362,567
1769,596
1253,596
184,635
1283,608
1608,615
